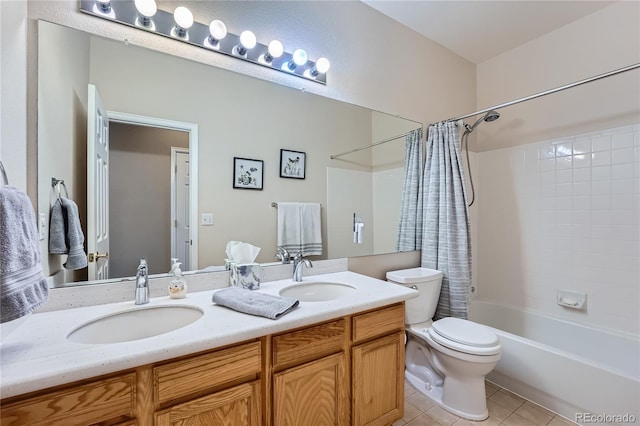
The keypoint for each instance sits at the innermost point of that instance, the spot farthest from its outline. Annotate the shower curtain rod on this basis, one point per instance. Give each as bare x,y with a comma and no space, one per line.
548,92
373,144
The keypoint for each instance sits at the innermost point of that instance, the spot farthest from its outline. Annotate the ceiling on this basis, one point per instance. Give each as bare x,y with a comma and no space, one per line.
479,30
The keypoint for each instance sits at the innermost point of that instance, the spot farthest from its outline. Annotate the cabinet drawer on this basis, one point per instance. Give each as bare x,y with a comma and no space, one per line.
308,343
192,375
377,323
89,403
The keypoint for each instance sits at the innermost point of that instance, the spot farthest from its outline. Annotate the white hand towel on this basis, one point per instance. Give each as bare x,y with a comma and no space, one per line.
311,229
289,227
300,228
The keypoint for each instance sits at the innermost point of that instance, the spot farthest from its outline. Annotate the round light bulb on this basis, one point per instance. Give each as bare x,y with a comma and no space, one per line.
299,57
322,65
146,8
218,29
248,39
276,48
183,17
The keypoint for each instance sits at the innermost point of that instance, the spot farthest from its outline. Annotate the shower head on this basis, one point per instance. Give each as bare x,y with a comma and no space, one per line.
489,116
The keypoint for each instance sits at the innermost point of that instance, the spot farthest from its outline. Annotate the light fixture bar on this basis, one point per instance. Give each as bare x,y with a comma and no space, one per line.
163,23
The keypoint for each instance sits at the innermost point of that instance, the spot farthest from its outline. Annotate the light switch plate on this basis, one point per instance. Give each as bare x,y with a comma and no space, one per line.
207,219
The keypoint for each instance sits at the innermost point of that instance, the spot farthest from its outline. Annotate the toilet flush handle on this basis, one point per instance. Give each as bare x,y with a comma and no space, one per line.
414,287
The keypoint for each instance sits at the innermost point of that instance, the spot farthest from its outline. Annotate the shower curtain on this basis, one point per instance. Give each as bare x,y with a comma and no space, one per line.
410,225
446,244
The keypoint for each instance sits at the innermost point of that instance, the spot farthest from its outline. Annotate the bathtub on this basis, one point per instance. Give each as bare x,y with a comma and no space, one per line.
582,373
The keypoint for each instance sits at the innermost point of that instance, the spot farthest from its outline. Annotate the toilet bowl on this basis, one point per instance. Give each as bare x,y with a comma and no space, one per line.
446,360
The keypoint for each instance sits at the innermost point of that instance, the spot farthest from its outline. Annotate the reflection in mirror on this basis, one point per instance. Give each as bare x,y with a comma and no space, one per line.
236,116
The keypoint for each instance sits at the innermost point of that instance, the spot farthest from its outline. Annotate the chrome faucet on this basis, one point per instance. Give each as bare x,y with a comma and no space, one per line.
283,255
142,283
298,264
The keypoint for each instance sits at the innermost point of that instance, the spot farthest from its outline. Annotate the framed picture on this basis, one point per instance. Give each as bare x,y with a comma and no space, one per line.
292,164
247,173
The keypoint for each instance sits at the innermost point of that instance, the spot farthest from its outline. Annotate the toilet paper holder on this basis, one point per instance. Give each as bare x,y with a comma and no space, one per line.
572,299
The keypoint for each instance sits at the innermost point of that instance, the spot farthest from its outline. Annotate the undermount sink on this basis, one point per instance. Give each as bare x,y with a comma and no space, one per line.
135,324
316,291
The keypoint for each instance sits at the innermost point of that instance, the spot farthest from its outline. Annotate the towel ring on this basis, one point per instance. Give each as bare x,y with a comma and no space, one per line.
5,180
57,183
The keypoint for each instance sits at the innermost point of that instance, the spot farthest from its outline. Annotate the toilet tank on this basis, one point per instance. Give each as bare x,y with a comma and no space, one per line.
427,282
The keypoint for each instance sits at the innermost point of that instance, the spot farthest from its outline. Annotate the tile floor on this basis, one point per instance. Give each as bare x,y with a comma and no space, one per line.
505,408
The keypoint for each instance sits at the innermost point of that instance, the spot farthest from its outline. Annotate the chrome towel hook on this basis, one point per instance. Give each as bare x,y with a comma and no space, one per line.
57,183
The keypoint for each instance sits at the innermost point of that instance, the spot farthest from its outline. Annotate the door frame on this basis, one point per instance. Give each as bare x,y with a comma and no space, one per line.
174,196
192,130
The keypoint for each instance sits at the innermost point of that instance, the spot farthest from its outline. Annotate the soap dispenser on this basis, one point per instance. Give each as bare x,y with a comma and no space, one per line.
177,286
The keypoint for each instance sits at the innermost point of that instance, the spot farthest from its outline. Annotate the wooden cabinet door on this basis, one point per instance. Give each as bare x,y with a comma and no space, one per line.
236,406
315,393
378,381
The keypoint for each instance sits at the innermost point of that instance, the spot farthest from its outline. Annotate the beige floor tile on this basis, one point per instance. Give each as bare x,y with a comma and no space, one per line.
497,411
399,423
442,416
490,388
534,413
489,421
421,401
410,411
560,421
409,389
507,399
516,420
424,420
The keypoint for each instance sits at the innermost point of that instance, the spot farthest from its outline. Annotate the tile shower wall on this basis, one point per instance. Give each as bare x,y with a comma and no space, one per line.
563,214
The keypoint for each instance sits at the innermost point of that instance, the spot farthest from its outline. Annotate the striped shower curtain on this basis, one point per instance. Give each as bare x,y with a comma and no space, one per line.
446,244
410,225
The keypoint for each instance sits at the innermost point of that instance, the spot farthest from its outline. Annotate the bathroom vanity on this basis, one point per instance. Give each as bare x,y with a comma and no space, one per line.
336,362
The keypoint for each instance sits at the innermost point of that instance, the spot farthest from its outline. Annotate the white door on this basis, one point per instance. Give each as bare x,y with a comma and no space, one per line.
97,186
180,240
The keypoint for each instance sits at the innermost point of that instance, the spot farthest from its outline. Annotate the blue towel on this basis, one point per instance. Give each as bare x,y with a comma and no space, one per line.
253,302
65,233
23,287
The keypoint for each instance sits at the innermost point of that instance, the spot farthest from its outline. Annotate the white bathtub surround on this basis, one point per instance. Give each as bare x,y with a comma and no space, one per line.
563,214
566,367
38,354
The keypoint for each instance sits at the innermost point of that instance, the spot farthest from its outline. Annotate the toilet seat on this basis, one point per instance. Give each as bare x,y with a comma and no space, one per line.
465,336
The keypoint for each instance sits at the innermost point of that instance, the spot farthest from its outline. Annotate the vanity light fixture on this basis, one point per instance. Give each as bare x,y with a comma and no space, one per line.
275,49
247,42
104,5
180,26
184,21
217,31
298,58
146,9
321,67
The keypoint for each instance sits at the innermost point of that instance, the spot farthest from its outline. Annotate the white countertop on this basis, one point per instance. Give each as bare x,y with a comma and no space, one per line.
38,355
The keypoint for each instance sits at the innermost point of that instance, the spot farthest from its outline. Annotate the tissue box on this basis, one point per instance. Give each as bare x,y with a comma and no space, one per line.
245,275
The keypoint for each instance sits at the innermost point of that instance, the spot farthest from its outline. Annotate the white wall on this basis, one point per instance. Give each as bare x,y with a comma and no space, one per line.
13,99
548,220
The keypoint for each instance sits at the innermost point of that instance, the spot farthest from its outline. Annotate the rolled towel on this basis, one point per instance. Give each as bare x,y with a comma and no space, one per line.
253,302
23,287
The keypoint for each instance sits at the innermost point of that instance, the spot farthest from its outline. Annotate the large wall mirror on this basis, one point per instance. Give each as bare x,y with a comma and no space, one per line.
175,127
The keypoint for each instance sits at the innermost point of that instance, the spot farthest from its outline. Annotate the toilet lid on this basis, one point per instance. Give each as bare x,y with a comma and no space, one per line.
463,332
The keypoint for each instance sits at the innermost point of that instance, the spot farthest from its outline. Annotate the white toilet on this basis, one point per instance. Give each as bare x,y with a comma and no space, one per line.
447,360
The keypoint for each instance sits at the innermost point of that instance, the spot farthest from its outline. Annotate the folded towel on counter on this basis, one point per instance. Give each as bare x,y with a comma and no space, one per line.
300,228
23,287
253,302
65,233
